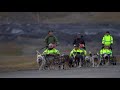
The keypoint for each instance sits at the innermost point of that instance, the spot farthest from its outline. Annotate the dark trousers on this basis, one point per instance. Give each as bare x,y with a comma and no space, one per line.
110,47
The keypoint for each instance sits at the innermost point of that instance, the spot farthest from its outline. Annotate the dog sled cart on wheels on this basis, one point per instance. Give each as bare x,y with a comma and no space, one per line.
52,62
62,61
108,58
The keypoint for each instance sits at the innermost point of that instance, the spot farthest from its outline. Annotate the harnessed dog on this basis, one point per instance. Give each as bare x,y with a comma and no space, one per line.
105,58
114,60
65,62
40,61
48,62
92,60
78,60
88,60
95,60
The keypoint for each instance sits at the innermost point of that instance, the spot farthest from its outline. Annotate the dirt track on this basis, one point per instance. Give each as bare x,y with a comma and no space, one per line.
84,72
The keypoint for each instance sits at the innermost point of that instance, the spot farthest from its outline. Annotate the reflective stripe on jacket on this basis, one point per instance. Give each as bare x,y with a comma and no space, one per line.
105,51
78,51
52,51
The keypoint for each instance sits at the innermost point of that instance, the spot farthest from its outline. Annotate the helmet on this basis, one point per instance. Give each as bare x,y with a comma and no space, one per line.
107,32
50,31
76,45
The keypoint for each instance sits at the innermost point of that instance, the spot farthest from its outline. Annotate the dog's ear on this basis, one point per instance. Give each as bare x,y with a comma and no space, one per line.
97,53
38,52
90,52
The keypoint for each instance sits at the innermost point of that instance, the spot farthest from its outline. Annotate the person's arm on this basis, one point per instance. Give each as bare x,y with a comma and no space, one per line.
46,40
57,52
45,52
111,40
103,40
71,53
101,53
110,52
56,40
85,53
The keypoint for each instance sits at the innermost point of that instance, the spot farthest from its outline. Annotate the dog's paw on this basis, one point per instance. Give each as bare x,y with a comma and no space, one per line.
97,65
40,69
79,66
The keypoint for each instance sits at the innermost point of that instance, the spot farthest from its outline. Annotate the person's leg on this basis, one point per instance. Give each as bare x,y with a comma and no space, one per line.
71,61
110,47
102,46
80,60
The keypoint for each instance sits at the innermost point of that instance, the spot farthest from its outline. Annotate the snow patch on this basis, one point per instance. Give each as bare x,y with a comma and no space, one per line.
90,33
15,31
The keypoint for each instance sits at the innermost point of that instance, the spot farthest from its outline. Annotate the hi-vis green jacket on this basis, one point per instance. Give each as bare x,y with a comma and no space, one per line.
52,51
75,52
106,51
107,40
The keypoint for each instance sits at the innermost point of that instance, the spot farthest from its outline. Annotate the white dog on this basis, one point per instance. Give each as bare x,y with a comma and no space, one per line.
50,62
88,60
106,58
41,61
93,59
